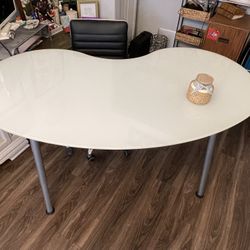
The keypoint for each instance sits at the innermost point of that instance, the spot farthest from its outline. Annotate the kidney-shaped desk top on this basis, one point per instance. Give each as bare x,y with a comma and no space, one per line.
68,98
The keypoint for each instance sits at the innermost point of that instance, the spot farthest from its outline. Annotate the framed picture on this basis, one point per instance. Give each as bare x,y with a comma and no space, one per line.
88,8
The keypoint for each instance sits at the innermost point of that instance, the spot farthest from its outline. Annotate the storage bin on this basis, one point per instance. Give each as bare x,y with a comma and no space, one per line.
185,35
198,15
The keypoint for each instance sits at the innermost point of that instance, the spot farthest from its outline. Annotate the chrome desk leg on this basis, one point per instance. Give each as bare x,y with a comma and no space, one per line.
42,176
206,166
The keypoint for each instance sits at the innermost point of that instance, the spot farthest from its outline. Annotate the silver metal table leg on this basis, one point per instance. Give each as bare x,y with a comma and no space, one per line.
42,176
206,166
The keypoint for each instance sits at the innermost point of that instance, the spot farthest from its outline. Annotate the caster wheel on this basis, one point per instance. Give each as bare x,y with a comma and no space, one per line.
126,153
69,151
90,157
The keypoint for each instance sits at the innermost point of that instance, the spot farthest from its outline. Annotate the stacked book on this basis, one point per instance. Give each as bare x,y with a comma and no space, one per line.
230,11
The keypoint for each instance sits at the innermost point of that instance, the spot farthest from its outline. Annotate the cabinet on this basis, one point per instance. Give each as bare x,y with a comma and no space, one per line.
227,37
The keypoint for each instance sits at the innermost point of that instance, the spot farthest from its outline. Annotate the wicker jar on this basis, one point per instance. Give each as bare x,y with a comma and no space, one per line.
201,89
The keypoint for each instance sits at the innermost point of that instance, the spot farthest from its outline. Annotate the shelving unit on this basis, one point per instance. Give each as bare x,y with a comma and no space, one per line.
191,34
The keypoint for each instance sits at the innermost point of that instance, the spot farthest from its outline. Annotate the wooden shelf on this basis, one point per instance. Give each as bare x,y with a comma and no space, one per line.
199,20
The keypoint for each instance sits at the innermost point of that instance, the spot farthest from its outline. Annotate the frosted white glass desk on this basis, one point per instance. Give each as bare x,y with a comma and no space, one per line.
68,98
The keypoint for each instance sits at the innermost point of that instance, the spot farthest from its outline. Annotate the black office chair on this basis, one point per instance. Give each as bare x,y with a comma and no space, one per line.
101,38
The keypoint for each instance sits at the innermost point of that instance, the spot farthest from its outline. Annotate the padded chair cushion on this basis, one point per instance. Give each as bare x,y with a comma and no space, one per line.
102,38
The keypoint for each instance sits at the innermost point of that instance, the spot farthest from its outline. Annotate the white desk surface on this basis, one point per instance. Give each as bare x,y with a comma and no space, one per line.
71,99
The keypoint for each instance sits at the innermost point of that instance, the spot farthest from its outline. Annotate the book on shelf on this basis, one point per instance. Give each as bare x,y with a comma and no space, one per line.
230,11
227,14
239,2
233,9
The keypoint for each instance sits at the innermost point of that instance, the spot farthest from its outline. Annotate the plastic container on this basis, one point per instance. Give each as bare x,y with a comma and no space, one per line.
72,14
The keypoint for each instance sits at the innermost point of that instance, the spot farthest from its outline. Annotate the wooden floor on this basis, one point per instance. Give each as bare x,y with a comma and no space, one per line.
58,41
144,201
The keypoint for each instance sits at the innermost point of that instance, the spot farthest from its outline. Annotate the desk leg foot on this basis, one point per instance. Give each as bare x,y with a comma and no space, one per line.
51,212
199,196
206,166
41,175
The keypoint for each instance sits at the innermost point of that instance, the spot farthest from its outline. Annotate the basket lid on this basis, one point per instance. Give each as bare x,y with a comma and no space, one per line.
204,79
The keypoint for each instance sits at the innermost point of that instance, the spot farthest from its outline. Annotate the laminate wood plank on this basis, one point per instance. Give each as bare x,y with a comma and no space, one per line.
30,197
19,186
65,202
100,198
239,234
182,207
144,201
217,210
59,41
58,243
130,197
68,200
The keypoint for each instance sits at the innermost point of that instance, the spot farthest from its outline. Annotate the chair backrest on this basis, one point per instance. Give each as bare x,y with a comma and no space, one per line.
102,38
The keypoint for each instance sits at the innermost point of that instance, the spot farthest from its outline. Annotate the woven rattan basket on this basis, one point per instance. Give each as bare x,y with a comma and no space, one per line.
201,89
198,15
193,40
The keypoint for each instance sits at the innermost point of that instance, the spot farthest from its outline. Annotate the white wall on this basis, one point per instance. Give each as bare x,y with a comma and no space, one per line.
155,14
122,10
107,9
126,10
152,15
